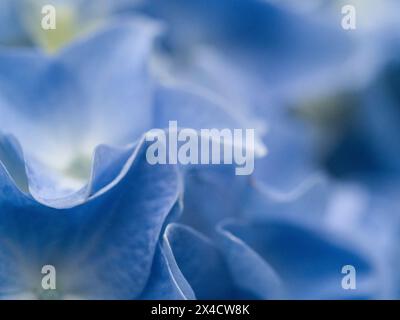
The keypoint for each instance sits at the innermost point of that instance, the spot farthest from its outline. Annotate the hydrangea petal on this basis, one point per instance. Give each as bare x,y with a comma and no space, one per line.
103,248
308,263
166,281
248,269
202,264
66,97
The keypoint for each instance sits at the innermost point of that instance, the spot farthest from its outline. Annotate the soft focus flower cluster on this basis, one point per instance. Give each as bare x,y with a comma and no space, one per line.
76,191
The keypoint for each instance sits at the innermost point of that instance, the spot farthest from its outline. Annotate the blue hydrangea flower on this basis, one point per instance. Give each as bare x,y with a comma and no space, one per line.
77,192
93,219
273,255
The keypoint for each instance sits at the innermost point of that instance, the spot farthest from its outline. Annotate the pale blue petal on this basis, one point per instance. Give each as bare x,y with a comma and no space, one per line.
56,102
12,160
308,263
166,281
211,194
202,264
249,271
103,248
107,164
180,102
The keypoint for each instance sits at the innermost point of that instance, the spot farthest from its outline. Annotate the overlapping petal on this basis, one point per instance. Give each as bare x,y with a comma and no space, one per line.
102,248
308,264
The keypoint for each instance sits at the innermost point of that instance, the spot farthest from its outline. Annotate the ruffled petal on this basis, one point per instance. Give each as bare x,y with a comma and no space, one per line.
103,248
202,264
56,102
166,281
